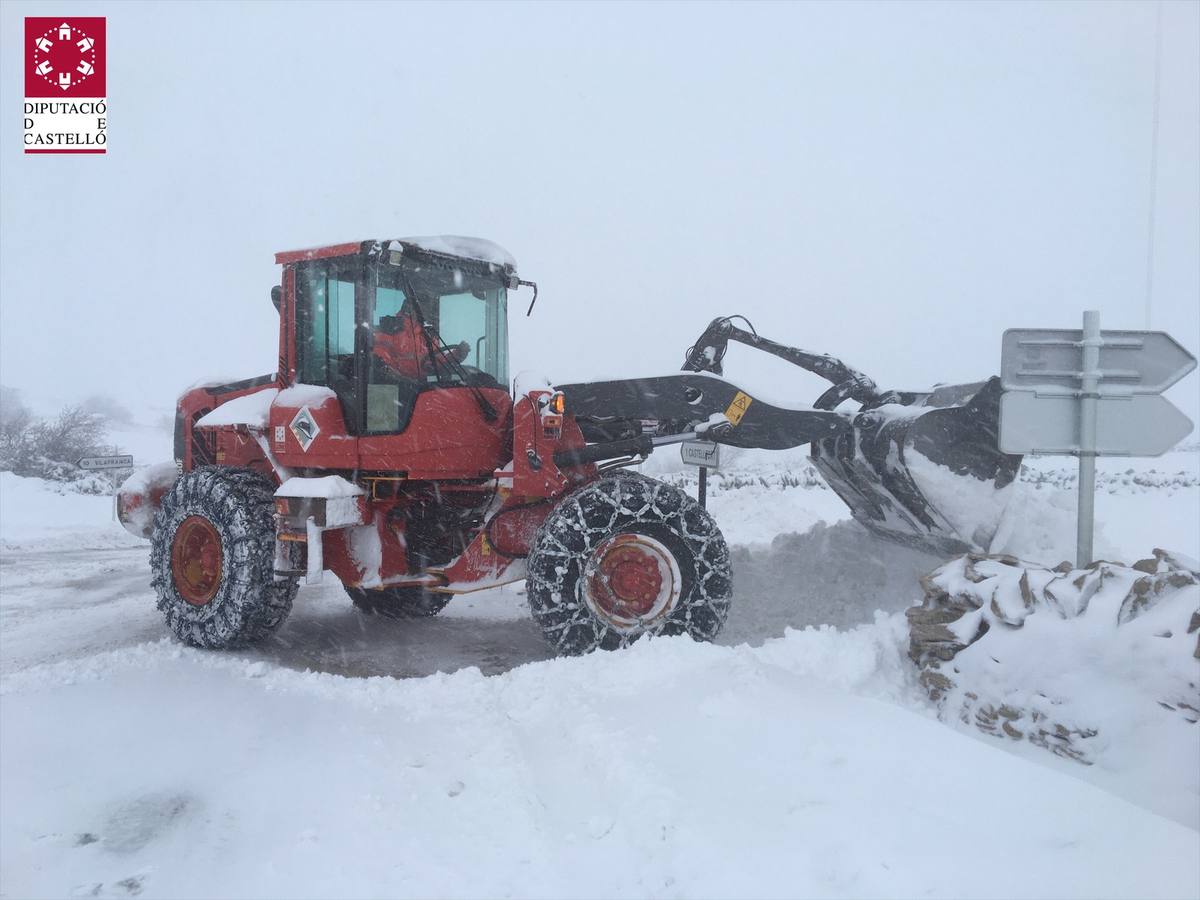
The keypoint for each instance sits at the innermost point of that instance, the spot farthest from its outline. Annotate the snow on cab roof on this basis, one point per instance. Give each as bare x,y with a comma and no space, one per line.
475,248
460,245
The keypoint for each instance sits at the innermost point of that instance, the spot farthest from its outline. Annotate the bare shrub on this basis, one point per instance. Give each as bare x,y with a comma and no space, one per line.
50,448
74,433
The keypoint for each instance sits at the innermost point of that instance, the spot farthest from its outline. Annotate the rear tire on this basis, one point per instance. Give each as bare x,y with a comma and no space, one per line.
399,602
626,556
213,559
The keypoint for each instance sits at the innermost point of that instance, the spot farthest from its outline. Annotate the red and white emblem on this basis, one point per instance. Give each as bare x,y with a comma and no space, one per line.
64,57
66,102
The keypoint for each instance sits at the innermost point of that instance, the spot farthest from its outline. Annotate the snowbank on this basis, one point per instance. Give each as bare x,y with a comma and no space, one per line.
668,770
34,512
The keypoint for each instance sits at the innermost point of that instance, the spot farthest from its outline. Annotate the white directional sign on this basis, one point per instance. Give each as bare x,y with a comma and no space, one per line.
1140,425
1050,376
105,462
701,453
1049,360
1090,393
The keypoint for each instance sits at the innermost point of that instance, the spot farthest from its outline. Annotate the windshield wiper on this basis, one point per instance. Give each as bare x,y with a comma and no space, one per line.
442,350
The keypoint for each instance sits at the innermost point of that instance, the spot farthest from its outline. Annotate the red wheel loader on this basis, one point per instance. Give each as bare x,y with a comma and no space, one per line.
389,449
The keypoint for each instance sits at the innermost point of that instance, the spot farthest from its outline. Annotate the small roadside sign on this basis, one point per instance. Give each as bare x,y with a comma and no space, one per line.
106,462
701,453
706,455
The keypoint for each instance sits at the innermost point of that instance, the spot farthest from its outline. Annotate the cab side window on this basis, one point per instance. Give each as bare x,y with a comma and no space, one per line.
325,335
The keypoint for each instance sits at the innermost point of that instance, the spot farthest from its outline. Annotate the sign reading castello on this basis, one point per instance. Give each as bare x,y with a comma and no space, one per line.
66,108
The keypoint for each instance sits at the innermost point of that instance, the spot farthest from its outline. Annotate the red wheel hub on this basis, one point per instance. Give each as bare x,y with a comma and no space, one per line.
627,579
196,560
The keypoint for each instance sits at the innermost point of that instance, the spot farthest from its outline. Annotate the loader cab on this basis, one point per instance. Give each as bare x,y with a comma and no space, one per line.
412,340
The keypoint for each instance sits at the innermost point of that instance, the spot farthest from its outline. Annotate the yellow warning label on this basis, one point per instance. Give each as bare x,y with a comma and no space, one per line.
485,548
738,407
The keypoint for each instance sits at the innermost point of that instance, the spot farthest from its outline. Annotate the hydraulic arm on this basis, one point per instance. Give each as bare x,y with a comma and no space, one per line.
708,352
908,464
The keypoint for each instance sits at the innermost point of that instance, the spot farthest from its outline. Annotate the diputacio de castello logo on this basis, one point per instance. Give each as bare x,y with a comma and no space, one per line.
66,99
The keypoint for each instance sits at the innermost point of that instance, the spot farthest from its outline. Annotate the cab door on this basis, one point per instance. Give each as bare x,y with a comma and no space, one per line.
315,423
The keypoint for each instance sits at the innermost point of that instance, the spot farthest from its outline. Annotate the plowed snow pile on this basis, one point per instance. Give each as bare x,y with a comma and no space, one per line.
37,514
672,769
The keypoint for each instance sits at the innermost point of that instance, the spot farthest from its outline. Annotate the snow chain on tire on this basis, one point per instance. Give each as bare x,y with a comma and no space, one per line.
626,503
248,603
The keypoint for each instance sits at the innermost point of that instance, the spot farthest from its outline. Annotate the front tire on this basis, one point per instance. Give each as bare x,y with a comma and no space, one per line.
213,559
626,556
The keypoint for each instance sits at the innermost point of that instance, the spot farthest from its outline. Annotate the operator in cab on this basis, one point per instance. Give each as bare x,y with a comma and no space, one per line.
411,348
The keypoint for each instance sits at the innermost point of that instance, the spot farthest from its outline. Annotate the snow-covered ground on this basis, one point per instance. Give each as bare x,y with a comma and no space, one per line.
352,756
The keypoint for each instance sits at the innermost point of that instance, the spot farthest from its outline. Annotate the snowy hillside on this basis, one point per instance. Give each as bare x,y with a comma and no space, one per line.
351,756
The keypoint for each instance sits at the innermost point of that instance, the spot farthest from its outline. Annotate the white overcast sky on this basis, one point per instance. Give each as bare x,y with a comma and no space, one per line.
892,183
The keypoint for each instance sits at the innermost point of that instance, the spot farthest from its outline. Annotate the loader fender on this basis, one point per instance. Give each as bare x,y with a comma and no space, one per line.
139,498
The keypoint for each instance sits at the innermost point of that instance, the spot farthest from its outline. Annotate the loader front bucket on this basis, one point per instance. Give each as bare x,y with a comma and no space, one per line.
926,471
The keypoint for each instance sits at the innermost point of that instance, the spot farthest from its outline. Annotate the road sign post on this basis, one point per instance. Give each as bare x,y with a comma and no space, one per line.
706,455
1085,521
1090,393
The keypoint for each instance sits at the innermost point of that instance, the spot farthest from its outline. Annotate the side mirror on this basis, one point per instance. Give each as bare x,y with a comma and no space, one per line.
276,297
532,284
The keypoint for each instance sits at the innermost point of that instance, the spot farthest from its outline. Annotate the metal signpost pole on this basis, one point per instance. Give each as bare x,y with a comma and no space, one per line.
1088,397
703,492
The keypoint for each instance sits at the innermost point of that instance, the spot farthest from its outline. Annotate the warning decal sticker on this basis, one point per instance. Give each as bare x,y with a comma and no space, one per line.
738,407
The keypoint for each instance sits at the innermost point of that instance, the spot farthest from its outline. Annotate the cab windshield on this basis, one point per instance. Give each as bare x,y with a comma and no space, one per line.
439,324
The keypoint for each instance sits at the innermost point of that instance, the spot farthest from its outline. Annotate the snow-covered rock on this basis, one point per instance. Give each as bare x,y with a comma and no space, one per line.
1097,665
